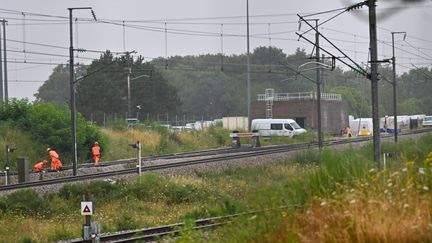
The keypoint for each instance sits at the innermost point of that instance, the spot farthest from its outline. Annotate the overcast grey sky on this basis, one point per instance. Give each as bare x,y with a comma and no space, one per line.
194,27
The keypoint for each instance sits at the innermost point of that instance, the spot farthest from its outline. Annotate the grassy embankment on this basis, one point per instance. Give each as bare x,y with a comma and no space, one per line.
339,198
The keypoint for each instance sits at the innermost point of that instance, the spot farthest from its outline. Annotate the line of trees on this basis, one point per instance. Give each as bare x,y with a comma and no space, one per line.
213,85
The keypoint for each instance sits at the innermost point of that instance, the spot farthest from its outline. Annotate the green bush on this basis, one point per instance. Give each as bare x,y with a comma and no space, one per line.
27,239
101,190
26,202
219,134
49,125
153,187
125,222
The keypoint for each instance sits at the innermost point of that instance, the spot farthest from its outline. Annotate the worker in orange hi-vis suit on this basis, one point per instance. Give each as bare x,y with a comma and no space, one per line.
55,162
96,153
40,167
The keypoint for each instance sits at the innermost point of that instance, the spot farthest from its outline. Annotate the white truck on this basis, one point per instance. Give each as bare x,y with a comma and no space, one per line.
276,127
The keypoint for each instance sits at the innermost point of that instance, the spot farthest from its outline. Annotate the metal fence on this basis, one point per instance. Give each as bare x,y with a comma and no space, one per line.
300,96
106,119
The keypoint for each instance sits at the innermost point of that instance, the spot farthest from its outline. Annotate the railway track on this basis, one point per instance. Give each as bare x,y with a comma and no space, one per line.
243,154
157,233
208,152
171,230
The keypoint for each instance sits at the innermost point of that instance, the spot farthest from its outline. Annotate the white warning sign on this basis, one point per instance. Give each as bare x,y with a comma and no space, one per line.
86,208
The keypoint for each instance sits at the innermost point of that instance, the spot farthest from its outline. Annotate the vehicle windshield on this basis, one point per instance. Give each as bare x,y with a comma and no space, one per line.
428,118
288,127
295,125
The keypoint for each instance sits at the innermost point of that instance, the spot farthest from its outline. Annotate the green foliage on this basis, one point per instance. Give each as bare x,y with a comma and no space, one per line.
125,221
153,187
61,233
26,202
57,88
411,106
117,124
49,125
27,239
15,137
104,92
358,103
102,191
220,135
309,157
216,92
16,110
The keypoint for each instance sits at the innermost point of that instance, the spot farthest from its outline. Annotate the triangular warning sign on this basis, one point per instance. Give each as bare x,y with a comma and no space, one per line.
86,209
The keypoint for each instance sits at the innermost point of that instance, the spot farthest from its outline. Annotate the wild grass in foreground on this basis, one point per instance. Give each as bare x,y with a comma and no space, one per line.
346,200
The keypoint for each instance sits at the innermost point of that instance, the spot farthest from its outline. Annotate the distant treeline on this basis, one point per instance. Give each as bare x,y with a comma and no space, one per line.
214,85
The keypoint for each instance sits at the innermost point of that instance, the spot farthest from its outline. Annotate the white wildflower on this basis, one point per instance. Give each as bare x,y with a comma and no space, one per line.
323,203
421,171
425,188
395,174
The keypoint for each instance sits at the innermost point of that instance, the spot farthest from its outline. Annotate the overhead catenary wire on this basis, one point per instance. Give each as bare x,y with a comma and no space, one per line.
260,36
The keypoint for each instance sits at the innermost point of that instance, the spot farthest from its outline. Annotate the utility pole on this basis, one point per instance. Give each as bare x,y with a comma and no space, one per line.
248,67
394,87
6,90
1,73
318,83
129,71
72,97
72,92
374,81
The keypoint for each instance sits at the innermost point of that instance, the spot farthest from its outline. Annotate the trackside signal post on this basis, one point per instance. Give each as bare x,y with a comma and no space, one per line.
137,146
7,163
90,229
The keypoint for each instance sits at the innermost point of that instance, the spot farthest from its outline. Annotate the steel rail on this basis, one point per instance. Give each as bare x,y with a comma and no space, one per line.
155,233
144,168
207,152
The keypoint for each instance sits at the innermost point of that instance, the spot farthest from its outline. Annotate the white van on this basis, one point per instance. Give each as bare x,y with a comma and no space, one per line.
427,121
277,127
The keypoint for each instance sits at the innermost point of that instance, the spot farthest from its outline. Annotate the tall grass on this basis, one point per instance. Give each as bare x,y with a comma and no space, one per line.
161,141
14,137
346,199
